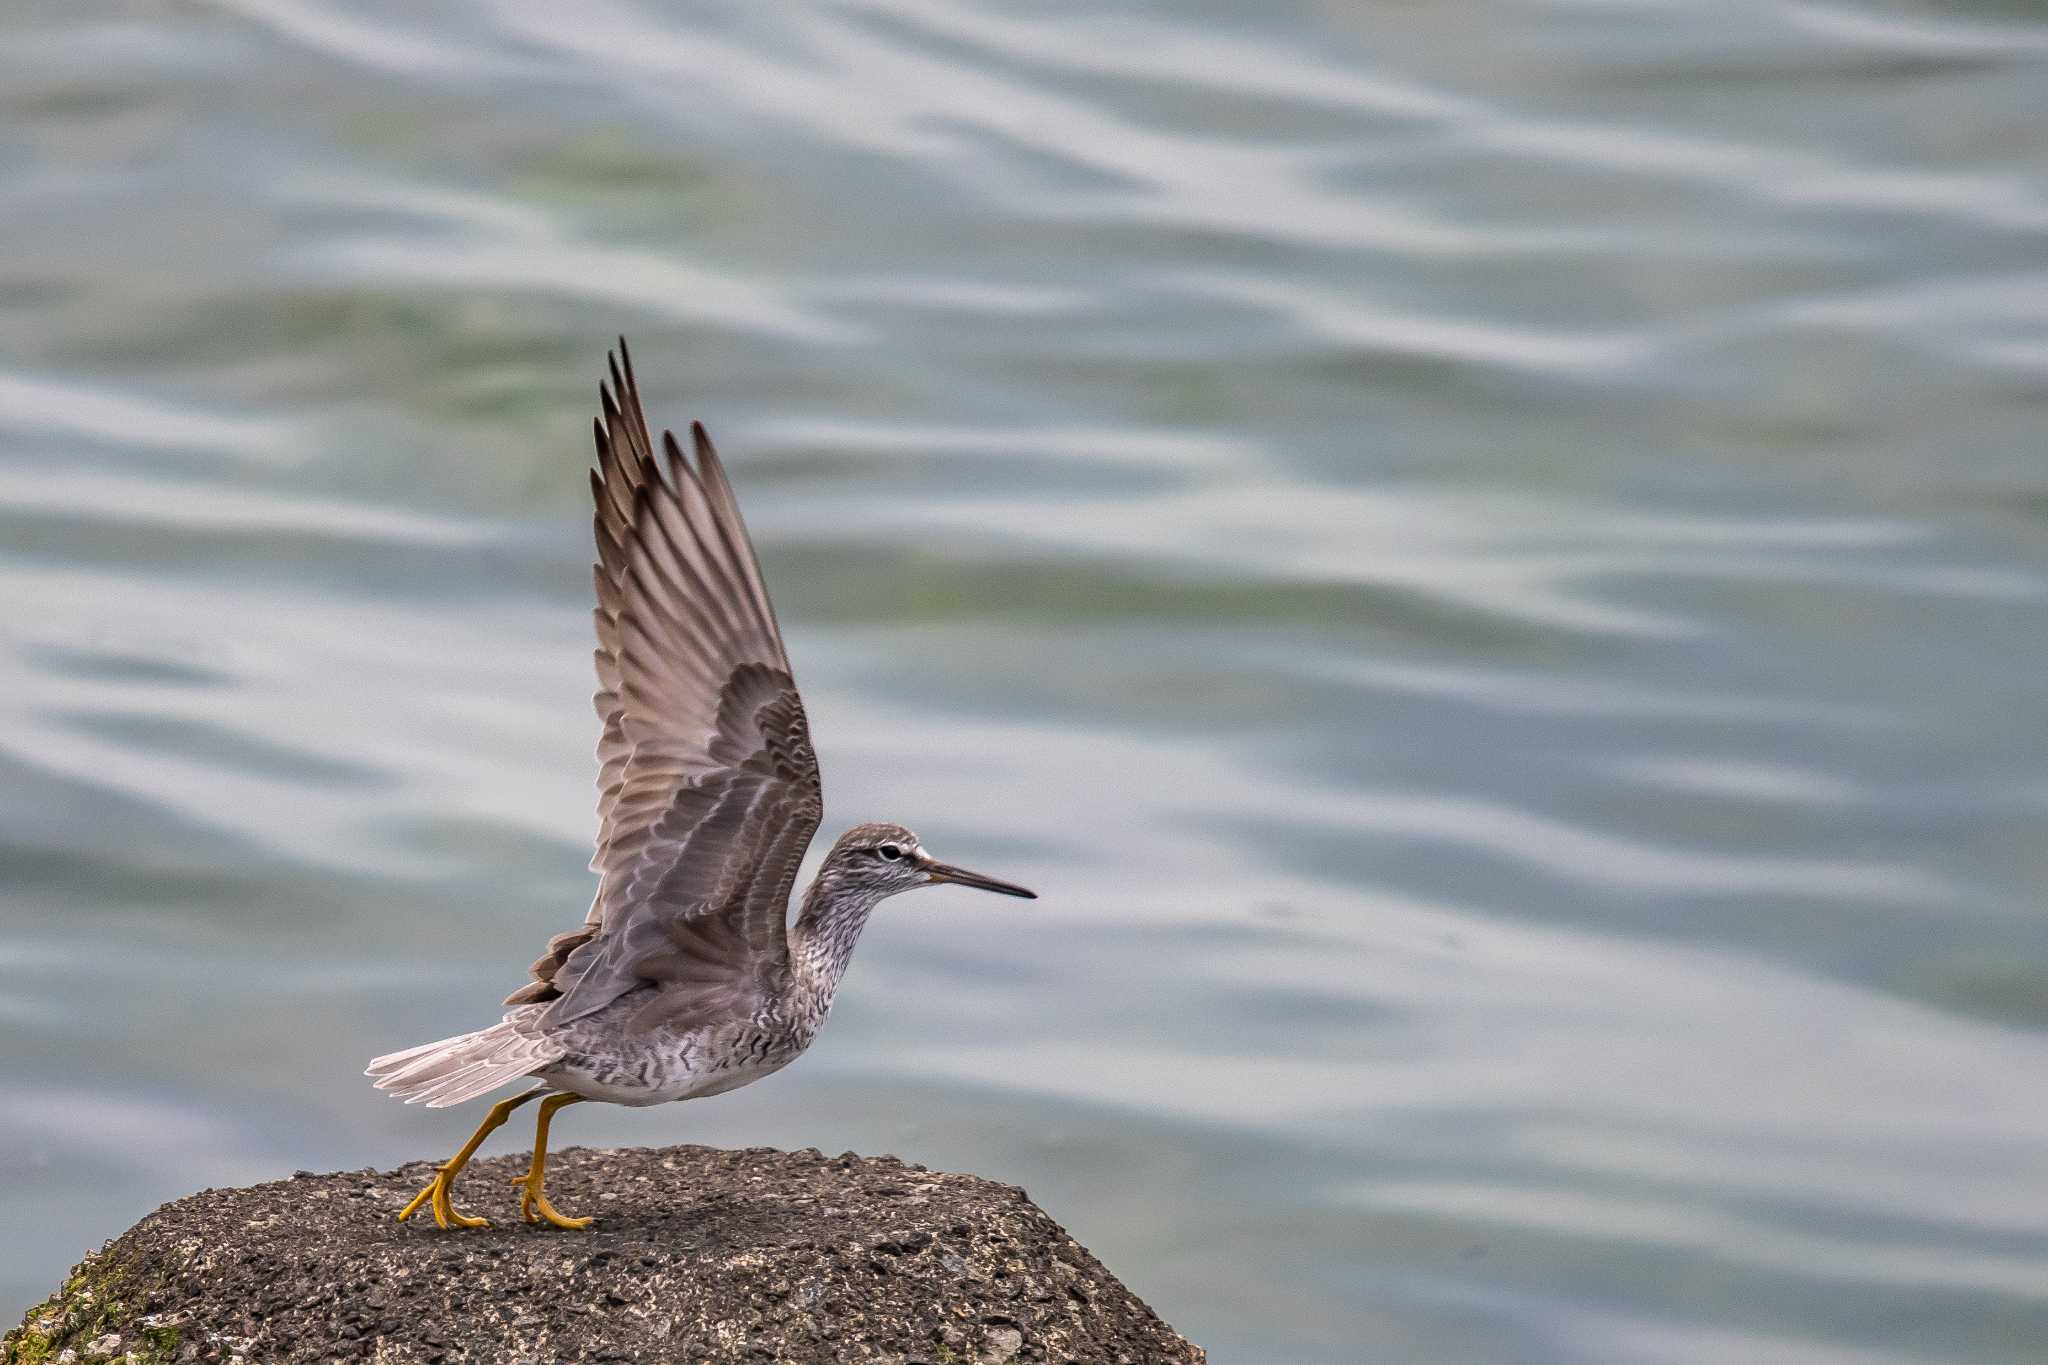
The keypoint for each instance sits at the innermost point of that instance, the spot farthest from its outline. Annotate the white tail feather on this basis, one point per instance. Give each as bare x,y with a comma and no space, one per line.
461,1068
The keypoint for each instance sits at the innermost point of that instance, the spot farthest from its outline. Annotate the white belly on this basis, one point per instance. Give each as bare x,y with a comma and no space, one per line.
660,1087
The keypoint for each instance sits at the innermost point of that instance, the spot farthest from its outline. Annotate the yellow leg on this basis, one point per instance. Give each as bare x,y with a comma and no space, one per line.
533,1200
436,1192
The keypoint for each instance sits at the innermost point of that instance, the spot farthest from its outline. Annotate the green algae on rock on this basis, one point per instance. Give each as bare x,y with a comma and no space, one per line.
99,1315
699,1255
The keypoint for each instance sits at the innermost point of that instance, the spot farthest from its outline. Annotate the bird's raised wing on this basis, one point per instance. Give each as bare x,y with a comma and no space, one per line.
708,787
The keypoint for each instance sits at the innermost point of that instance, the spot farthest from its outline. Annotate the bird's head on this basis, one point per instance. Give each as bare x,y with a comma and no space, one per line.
882,859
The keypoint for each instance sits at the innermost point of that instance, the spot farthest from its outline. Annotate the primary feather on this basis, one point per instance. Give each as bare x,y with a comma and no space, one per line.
708,788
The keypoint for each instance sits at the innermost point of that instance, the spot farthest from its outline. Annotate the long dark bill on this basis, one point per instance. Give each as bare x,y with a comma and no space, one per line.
945,872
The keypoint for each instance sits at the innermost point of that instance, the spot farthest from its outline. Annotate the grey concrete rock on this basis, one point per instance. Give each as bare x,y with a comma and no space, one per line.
699,1255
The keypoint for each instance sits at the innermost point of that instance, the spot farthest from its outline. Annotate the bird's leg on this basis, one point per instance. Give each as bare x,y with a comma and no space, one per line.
533,1199
436,1191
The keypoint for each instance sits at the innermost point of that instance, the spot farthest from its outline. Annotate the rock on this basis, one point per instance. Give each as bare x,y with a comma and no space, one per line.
698,1255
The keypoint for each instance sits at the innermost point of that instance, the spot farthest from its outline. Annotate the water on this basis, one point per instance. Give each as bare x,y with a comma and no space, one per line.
1487,560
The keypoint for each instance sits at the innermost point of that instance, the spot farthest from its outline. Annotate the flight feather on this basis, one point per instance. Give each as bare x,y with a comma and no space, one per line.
708,788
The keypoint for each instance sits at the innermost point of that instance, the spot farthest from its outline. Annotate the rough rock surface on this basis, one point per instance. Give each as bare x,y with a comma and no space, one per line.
698,1255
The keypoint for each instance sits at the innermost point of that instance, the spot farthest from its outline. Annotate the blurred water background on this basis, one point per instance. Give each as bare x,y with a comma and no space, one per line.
1487,560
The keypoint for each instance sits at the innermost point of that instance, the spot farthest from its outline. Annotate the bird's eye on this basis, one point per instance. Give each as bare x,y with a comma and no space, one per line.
889,851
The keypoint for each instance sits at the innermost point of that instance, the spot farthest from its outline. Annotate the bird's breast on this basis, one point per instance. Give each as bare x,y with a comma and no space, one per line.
663,1065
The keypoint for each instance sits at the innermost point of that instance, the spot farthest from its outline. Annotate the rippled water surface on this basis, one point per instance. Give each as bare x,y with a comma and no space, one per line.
1486,559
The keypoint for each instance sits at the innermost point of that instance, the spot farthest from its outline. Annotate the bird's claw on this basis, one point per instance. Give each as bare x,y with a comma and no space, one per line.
446,1215
535,1208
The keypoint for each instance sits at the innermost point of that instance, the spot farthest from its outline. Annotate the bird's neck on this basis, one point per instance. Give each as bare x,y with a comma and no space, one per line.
822,943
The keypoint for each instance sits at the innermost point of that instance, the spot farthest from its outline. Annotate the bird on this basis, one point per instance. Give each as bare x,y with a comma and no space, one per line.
687,977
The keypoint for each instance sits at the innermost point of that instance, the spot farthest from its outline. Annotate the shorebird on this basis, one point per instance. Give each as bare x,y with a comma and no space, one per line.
686,978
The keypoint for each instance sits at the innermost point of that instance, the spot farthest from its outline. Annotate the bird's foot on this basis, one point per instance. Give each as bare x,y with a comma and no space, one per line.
446,1215
533,1203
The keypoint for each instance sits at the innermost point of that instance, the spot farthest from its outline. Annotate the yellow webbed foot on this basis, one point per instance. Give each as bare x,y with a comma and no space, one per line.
533,1203
533,1199
446,1215
436,1193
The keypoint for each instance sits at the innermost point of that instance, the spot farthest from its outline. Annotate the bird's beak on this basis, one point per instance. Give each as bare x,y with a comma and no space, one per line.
960,876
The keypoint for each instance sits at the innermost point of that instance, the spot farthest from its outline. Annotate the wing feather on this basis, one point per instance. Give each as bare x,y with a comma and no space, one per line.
708,787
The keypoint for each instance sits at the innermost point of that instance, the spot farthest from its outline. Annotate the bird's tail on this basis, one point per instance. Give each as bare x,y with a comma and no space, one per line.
463,1067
